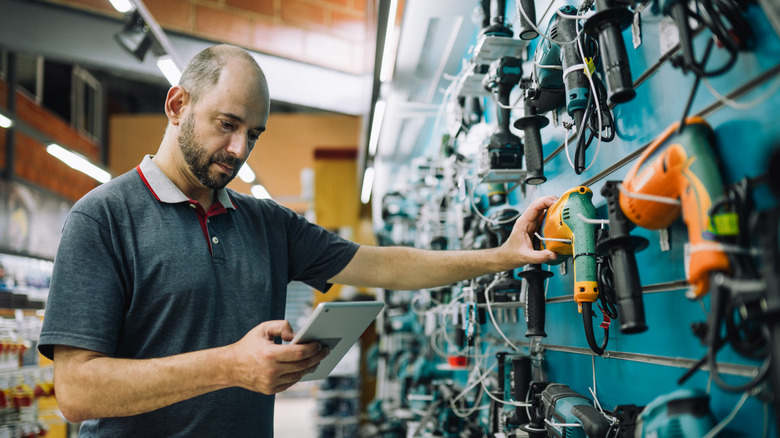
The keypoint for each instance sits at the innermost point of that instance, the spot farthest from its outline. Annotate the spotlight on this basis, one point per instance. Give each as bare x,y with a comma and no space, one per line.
135,36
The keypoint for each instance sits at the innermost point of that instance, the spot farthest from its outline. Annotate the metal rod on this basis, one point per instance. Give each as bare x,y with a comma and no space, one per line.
10,134
648,289
677,362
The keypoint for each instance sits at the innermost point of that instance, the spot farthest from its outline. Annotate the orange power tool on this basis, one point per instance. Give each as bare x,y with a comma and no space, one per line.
679,171
570,219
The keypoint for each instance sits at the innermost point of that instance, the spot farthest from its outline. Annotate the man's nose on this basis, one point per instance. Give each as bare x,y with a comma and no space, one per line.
239,145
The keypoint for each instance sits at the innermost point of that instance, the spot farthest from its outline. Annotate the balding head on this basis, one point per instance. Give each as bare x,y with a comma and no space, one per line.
204,69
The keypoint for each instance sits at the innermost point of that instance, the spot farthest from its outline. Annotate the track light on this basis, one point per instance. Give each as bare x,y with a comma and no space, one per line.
135,36
78,162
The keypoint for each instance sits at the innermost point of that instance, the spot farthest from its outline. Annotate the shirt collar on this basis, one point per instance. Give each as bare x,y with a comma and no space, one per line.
166,191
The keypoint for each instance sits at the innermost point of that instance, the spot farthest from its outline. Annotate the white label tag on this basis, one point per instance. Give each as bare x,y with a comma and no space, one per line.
668,35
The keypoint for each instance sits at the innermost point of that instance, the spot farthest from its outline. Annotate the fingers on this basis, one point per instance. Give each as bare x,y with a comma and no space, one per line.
273,329
535,212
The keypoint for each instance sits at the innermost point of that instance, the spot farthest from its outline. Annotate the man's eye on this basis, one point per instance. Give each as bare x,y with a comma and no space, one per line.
227,125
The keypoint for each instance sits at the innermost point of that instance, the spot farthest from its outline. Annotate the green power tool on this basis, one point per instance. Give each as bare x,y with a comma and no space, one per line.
570,231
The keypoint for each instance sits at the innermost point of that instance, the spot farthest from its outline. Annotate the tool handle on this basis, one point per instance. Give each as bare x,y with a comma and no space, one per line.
534,159
534,277
521,380
628,288
527,32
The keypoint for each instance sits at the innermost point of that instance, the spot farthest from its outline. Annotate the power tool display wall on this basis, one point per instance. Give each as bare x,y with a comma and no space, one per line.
665,164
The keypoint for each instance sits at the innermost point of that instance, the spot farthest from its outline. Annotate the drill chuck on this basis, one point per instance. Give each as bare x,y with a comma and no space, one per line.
607,24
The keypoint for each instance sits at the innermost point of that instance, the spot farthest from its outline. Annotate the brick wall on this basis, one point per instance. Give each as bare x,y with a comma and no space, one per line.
338,34
33,164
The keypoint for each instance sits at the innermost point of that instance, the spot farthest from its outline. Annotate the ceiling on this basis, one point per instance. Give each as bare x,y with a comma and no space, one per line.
79,37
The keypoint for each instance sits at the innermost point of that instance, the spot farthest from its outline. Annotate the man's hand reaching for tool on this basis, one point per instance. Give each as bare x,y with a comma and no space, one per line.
263,366
519,246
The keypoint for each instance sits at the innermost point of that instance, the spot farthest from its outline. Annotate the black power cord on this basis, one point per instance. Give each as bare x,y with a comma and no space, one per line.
603,127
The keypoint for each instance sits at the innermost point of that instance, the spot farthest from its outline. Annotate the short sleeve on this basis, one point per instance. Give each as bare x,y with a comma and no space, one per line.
85,304
315,254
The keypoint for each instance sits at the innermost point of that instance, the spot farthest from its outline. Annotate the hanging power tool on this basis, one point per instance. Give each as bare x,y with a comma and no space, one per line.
505,150
679,172
514,377
621,247
608,23
493,23
555,406
682,413
567,221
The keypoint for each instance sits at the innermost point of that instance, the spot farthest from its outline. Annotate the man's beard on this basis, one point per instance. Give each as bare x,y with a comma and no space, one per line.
199,163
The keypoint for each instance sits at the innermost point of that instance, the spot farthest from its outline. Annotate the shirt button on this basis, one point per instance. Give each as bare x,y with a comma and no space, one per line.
215,240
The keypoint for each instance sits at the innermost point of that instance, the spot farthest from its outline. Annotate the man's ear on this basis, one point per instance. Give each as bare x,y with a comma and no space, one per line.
175,101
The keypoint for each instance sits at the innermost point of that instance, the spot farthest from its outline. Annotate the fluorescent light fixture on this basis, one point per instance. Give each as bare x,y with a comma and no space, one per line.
168,68
5,122
246,174
78,162
368,183
260,192
122,6
376,124
386,70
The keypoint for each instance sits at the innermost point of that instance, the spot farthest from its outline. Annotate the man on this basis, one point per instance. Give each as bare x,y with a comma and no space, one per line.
168,290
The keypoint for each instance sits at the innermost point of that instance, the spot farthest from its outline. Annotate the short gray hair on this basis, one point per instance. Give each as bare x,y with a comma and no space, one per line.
204,69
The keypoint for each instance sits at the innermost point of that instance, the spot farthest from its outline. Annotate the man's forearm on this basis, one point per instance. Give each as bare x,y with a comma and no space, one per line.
404,268
90,385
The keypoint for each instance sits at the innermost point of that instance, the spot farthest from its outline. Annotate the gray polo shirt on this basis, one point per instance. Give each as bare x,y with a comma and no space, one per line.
143,272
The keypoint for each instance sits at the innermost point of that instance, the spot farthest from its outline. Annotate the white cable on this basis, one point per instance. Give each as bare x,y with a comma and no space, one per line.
593,221
533,25
551,238
479,213
492,318
743,105
716,430
557,425
647,197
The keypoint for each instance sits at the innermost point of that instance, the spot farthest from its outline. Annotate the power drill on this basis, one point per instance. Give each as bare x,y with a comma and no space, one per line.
680,166
564,220
555,404
610,19
505,150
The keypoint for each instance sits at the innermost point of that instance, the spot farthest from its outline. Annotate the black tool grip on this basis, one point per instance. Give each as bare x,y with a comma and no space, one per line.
533,156
521,380
534,276
527,32
621,247
531,124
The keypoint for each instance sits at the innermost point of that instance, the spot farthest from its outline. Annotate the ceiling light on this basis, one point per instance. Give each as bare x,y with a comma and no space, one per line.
376,124
122,6
5,122
246,174
388,53
169,69
368,183
78,162
260,192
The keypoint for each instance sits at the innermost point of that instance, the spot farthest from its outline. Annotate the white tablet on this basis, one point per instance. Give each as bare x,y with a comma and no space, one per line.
337,325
